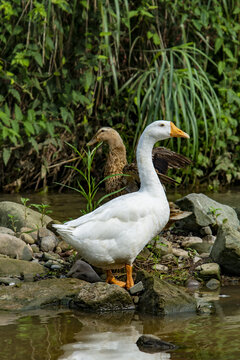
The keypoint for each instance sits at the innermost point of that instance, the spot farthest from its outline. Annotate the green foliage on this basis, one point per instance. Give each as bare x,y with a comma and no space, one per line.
44,210
69,66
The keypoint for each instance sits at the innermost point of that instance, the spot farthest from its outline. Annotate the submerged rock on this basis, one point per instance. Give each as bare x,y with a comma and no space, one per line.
152,344
205,212
161,298
209,271
226,250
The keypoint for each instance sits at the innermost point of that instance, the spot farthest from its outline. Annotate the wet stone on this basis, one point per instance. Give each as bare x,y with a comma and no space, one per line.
136,288
213,284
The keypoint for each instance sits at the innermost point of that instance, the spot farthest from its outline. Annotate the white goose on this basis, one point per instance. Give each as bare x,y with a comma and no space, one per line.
112,236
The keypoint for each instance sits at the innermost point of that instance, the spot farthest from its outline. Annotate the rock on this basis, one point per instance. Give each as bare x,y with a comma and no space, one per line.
27,238
35,248
206,230
64,246
213,284
210,239
164,246
205,212
226,250
101,296
192,284
56,267
161,298
11,267
136,288
33,218
9,281
191,240
203,247
14,247
208,271
48,243
82,270
65,293
5,230
196,259
180,252
152,344
160,268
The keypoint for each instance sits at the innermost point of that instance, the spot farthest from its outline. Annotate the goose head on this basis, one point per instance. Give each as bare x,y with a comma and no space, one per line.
162,129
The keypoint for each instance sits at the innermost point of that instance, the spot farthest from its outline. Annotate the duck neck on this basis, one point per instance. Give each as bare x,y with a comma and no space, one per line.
148,176
117,148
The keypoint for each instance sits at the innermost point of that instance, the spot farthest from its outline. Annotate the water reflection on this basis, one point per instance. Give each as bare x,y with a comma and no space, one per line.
67,335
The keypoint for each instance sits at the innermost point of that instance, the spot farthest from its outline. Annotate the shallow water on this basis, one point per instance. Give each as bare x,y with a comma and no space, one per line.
69,205
70,335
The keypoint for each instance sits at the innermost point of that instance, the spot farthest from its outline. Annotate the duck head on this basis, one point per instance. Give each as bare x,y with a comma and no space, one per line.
107,134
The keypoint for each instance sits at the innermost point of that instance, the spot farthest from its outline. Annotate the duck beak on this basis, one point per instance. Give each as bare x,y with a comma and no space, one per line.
176,132
93,141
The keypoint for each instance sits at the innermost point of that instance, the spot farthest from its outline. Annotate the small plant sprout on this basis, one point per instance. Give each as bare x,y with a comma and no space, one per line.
43,209
13,222
214,212
24,202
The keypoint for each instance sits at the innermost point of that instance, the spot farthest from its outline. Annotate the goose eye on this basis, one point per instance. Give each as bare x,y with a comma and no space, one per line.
161,125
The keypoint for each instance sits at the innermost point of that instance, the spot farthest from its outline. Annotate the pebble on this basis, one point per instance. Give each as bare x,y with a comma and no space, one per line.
56,267
191,240
27,238
136,288
213,284
180,252
160,268
206,230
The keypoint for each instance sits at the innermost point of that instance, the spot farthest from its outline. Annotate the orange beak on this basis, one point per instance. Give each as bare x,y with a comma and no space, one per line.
176,132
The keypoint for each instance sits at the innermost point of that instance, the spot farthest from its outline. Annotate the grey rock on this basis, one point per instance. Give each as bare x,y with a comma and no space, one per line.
33,218
204,247
209,270
103,297
213,284
200,205
48,243
136,288
191,240
5,230
35,248
210,239
226,250
206,230
160,268
50,256
161,298
152,344
65,293
82,270
192,284
11,267
27,238
56,267
180,253
15,247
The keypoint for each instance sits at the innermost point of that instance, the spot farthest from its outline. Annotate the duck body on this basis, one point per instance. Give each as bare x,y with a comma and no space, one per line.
112,236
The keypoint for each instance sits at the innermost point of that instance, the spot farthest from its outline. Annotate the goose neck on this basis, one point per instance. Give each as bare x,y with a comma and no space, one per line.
148,177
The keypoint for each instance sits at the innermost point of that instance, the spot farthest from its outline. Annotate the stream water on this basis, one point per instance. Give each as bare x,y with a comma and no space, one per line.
71,335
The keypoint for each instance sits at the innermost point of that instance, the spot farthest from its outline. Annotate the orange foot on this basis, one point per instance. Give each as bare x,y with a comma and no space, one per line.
130,281
112,280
